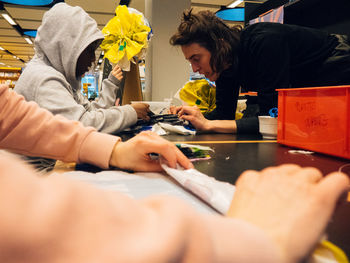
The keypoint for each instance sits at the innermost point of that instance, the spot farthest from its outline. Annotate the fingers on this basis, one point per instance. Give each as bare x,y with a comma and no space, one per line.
187,118
183,160
117,72
284,173
167,150
188,110
142,110
174,109
143,115
116,69
307,174
247,177
284,168
332,186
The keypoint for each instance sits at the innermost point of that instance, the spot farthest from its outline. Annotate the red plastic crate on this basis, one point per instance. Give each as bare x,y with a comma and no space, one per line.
315,119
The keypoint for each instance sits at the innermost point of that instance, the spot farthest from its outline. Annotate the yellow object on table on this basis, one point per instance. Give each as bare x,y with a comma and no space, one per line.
62,167
326,252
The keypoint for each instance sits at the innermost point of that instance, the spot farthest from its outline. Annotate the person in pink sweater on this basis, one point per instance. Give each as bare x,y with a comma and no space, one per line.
27,129
53,219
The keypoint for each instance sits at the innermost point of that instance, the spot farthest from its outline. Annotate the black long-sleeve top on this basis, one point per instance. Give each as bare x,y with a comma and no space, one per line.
271,56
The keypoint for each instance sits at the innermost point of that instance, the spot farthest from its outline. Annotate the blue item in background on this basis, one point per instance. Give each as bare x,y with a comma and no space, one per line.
231,14
29,2
273,112
92,81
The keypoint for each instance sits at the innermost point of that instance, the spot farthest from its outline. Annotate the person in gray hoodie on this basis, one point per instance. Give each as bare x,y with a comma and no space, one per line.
64,50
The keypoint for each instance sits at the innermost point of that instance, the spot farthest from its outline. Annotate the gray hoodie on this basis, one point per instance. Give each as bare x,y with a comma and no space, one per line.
49,78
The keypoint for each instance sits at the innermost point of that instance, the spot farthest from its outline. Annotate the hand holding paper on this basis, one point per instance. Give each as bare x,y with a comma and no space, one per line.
134,154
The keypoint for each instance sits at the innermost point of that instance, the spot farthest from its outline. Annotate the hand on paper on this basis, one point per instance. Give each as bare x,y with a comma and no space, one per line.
142,110
134,153
291,204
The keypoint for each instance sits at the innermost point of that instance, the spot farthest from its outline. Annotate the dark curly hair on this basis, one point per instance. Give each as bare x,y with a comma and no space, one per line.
210,32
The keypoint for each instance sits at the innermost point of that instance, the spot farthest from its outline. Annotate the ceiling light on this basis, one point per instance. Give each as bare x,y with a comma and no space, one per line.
28,40
30,33
29,2
231,14
235,3
9,19
1,48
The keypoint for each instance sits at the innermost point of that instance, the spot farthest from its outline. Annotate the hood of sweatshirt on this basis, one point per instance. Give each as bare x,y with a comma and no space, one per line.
64,34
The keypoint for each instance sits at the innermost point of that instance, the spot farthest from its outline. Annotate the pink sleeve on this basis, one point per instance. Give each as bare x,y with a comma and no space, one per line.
56,220
27,129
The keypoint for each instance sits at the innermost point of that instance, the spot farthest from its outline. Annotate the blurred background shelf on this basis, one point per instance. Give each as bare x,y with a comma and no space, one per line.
9,76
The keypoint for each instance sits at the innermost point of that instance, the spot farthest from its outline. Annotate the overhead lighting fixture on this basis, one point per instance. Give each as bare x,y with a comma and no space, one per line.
9,19
28,40
30,33
235,3
29,2
231,14
16,57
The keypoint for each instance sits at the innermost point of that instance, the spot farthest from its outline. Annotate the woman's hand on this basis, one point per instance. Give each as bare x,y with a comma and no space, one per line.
291,204
174,109
193,115
134,154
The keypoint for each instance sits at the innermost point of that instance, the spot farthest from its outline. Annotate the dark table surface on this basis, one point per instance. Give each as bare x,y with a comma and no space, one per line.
235,154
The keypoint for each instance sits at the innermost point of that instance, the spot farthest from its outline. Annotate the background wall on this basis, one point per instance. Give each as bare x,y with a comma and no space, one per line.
166,68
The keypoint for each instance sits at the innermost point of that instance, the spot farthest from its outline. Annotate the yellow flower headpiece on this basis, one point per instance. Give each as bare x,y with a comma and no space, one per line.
126,37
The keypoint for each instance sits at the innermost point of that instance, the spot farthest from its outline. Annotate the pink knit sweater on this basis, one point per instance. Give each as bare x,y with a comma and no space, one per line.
27,129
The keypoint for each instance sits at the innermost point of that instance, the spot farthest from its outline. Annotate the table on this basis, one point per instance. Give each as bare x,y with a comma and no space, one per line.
237,153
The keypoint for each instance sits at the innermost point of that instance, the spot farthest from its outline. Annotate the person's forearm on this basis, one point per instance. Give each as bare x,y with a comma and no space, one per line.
57,211
110,91
97,149
222,126
111,120
30,130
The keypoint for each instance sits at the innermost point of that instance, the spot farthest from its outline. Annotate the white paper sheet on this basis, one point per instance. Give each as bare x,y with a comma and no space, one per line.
139,185
218,194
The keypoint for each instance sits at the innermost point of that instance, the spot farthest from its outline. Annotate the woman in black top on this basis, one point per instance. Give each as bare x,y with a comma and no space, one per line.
262,57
